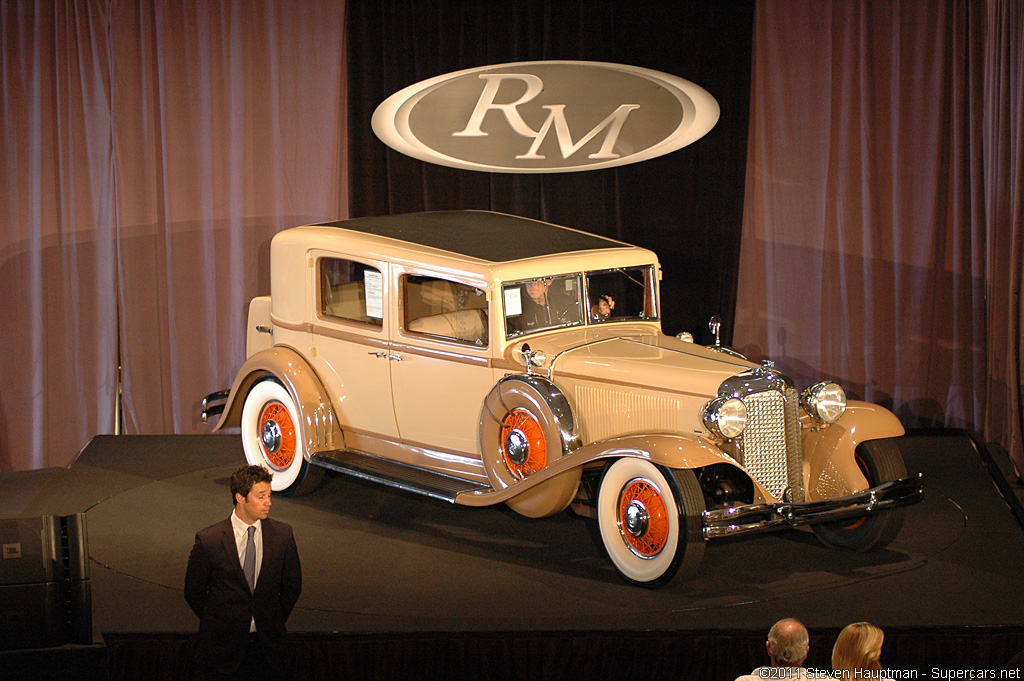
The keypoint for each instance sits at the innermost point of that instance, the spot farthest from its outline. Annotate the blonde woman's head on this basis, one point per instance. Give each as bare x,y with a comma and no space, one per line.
859,646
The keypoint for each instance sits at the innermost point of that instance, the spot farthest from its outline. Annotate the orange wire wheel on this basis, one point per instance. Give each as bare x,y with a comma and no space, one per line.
643,518
526,426
277,435
524,446
650,520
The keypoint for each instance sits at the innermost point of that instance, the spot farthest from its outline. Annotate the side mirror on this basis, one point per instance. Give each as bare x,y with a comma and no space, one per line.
715,325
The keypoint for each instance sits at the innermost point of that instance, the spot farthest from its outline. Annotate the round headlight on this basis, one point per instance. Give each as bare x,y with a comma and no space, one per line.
825,402
725,417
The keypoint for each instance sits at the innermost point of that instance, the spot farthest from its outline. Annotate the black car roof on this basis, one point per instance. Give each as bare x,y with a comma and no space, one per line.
494,237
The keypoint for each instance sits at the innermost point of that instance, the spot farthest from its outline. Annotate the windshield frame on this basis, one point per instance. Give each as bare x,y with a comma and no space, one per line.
582,279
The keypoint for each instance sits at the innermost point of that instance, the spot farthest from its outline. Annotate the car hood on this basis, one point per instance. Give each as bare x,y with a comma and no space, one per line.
645,360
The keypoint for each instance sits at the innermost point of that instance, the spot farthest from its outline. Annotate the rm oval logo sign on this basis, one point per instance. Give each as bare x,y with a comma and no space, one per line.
545,117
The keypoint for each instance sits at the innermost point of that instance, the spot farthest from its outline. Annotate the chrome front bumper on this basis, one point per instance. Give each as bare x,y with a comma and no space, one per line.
729,522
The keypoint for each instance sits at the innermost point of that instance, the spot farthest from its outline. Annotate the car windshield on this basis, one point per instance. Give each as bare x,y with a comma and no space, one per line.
618,294
538,304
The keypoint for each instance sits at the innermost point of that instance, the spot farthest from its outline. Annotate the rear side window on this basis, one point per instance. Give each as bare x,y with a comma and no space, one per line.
445,309
351,291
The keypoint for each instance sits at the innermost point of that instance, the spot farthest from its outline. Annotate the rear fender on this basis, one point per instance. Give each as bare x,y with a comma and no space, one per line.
319,427
829,460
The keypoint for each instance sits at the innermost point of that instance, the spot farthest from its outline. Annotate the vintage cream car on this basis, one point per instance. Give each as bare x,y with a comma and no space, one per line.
483,358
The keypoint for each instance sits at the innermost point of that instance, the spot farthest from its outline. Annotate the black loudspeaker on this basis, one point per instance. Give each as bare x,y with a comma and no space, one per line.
45,595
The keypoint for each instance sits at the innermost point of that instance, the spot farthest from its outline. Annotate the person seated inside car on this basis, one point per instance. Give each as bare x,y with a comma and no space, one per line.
546,305
602,310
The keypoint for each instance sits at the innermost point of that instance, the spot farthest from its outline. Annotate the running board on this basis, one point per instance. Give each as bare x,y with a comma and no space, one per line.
396,474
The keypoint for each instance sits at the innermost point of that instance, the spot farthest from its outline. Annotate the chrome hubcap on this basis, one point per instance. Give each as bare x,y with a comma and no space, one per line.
517,447
637,519
271,436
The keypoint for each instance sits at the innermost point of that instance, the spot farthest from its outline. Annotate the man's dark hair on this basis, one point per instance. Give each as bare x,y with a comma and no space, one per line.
245,477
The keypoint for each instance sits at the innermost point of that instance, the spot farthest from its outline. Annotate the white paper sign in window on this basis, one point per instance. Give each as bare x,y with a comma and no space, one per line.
373,281
513,302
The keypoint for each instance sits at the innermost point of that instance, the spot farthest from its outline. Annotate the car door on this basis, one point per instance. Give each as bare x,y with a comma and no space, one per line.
442,373
350,345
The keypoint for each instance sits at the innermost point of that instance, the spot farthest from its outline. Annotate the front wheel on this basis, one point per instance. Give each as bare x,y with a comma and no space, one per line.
270,438
650,521
880,461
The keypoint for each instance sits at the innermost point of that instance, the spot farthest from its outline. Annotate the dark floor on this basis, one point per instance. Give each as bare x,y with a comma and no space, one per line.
379,560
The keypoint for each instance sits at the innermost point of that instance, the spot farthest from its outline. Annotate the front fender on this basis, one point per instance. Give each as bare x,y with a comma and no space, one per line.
319,427
664,449
832,470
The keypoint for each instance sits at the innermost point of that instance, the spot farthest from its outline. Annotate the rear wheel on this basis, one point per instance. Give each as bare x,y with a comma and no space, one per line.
880,461
271,438
650,521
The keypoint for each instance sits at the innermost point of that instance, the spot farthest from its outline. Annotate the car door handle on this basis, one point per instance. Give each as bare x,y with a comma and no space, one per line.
390,355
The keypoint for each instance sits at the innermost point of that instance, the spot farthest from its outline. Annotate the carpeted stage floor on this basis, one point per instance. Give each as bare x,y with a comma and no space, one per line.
381,565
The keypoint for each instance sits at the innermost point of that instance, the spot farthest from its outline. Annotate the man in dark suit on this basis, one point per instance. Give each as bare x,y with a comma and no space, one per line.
242,581
549,303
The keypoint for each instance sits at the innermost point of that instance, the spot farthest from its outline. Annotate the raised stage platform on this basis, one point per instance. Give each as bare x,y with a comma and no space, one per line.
402,586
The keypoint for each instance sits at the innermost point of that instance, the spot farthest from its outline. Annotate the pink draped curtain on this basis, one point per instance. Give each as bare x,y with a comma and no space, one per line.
150,150
58,321
883,223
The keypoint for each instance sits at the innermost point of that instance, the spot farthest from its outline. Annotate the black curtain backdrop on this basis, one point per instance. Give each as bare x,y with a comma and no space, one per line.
686,206
592,655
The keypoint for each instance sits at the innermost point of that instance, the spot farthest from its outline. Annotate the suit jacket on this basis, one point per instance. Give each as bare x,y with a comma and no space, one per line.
218,593
560,308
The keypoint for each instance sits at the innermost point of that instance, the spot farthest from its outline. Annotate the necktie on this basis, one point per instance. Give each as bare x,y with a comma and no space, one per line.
249,566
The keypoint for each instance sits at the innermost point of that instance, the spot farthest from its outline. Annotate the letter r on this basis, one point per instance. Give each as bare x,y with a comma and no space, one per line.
534,86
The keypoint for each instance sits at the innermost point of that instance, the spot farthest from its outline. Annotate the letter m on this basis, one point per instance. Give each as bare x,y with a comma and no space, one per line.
556,118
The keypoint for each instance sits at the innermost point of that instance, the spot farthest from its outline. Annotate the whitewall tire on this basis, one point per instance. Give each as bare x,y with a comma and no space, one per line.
650,522
271,438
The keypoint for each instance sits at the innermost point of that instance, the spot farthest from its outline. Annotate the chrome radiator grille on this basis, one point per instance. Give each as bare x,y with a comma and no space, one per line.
770,445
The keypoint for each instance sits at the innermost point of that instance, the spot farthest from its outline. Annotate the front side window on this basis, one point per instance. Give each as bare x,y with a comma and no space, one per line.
351,291
538,304
444,309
